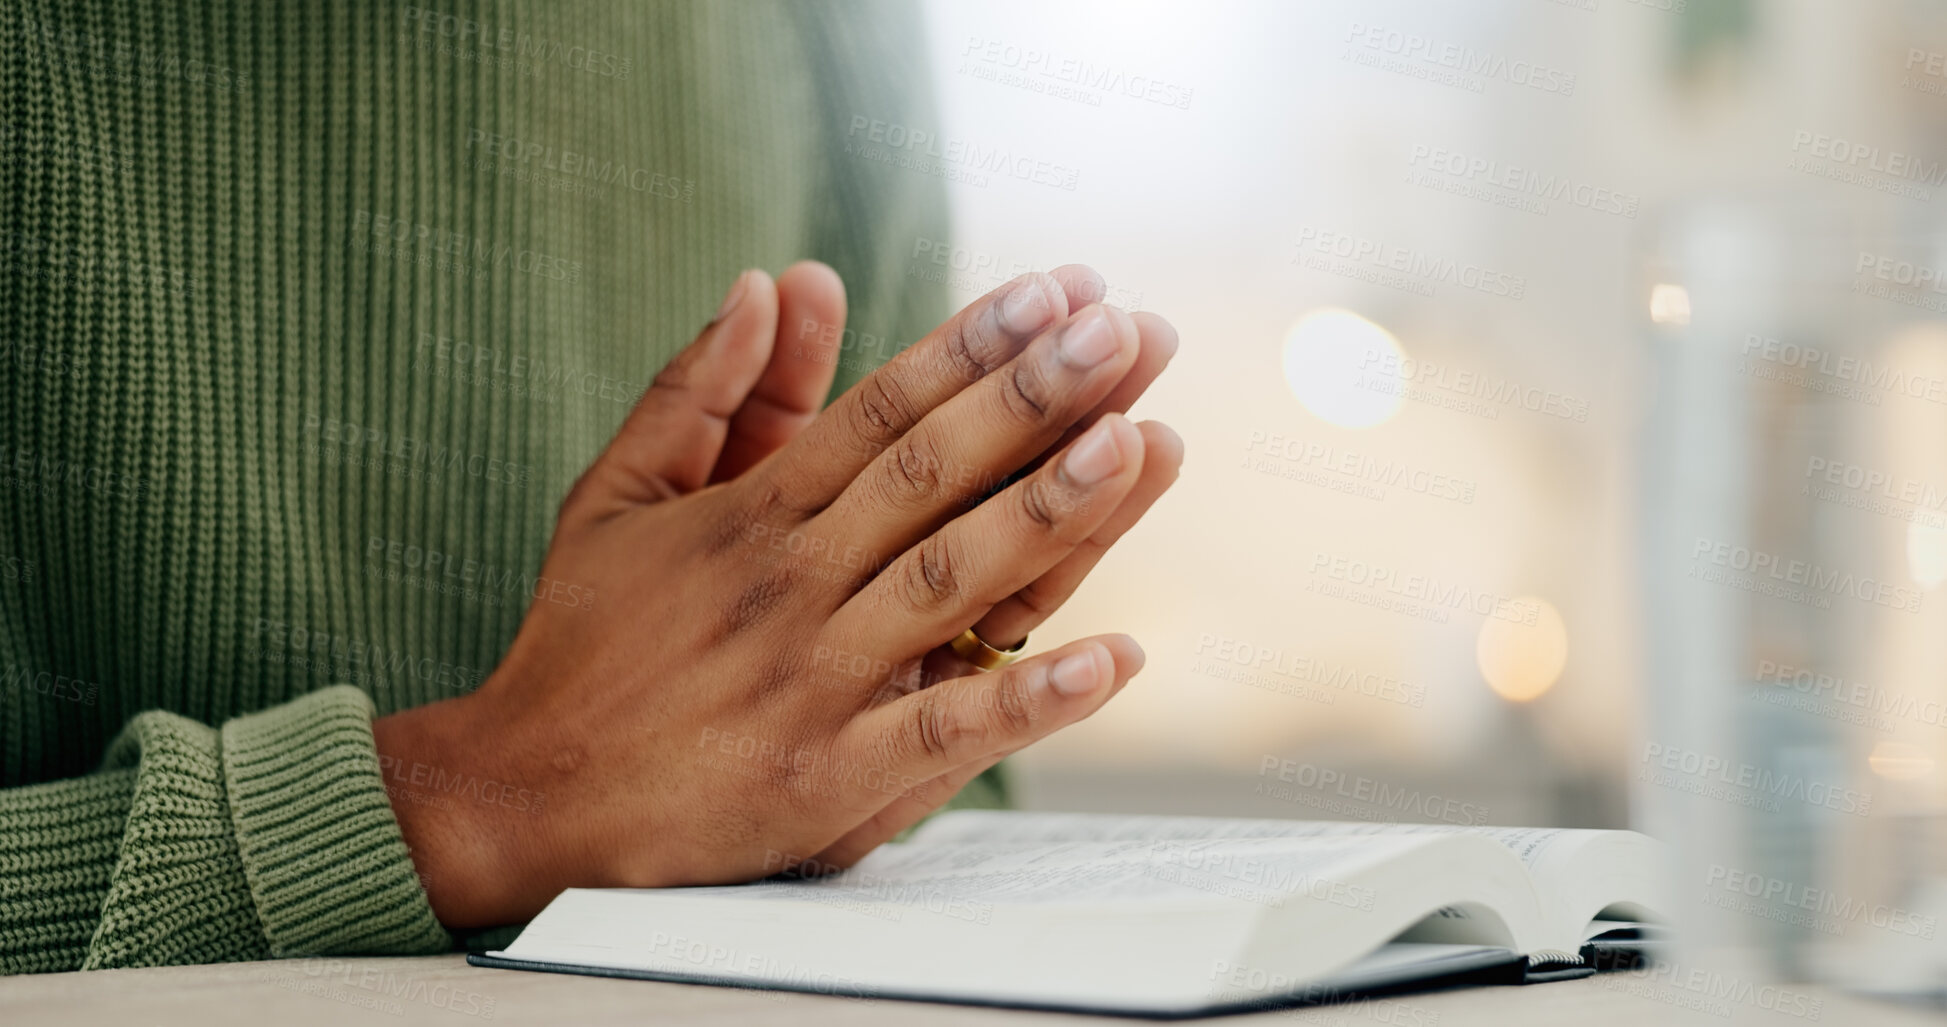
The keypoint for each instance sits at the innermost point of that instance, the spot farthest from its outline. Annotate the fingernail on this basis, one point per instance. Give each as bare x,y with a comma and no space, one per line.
1092,289
1075,675
734,296
1026,307
1088,341
1093,457
1170,342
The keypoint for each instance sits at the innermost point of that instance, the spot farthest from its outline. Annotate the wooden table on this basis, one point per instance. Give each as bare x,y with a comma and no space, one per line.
443,989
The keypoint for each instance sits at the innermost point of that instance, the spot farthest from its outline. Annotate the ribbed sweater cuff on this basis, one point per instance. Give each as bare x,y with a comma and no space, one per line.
57,854
328,869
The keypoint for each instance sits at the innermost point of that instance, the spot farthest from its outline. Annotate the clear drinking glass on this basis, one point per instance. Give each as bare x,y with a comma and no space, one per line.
1793,544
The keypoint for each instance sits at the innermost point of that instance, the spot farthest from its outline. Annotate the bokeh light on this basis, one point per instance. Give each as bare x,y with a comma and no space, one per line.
1523,660
1669,304
1926,553
1344,368
1900,761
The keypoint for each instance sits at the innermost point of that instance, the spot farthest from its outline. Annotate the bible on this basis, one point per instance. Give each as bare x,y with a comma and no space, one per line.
1136,915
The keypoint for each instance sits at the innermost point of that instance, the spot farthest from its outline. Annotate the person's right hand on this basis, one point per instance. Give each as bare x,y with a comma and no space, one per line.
750,678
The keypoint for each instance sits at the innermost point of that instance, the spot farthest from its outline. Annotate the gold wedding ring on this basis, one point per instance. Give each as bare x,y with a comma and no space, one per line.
975,650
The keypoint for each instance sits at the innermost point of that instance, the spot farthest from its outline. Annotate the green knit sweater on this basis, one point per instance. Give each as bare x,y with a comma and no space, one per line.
292,296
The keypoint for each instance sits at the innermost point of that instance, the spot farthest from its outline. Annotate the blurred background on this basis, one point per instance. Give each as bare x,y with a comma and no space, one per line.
1565,391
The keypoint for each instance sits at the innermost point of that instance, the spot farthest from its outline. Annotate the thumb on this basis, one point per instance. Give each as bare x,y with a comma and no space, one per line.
670,441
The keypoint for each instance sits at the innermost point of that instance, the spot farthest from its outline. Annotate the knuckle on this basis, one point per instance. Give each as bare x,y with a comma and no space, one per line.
1041,506
770,501
885,412
913,467
1014,713
1026,394
767,501
938,729
933,575
967,339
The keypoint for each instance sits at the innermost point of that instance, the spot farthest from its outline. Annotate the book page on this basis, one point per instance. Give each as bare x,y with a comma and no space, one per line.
1262,870
1010,828
1577,872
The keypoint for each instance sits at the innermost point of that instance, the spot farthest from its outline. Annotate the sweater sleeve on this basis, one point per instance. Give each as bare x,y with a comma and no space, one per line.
270,836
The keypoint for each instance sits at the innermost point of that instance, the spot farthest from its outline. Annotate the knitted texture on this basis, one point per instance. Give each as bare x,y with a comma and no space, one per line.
310,313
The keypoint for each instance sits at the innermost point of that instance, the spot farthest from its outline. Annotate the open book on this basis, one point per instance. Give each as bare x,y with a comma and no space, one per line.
1155,916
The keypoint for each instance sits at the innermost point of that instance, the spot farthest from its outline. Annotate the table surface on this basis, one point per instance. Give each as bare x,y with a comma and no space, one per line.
444,989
